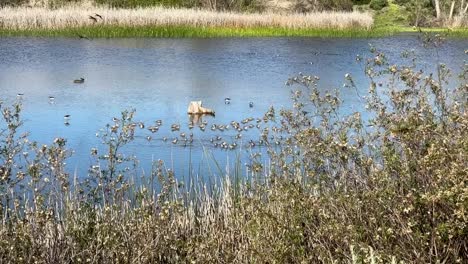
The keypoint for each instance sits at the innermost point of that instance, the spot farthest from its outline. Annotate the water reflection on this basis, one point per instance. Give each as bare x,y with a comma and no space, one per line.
159,77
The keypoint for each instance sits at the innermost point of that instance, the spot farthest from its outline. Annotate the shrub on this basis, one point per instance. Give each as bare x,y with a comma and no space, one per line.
12,2
312,5
361,2
420,12
378,4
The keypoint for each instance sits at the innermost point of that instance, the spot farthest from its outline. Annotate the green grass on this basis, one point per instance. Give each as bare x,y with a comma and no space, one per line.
212,32
189,32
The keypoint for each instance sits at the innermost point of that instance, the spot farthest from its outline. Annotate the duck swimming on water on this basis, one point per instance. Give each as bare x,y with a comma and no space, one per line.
80,80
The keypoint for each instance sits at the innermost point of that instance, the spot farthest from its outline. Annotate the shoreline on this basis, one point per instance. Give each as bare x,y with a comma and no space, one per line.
218,32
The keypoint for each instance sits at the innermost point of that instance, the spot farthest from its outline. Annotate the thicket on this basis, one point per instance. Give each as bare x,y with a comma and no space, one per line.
312,5
378,4
12,2
361,2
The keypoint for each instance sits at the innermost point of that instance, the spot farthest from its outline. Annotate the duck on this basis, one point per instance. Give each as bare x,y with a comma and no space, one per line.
251,104
80,80
82,36
227,100
153,129
232,146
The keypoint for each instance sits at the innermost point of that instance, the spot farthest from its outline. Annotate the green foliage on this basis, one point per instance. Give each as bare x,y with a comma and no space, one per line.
361,2
420,12
12,2
391,16
337,5
378,4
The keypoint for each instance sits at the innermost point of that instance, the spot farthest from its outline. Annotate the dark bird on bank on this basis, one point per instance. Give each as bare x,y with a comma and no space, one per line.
80,80
98,15
82,37
93,19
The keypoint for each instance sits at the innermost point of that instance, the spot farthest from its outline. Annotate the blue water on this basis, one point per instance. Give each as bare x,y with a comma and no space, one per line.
159,77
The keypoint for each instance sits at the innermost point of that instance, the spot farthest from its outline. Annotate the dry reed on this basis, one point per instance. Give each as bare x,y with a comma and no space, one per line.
25,18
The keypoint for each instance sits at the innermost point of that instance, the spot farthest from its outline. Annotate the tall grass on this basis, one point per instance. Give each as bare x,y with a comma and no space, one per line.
338,189
22,18
190,32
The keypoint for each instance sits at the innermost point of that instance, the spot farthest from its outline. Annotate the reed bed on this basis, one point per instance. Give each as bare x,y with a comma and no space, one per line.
23,18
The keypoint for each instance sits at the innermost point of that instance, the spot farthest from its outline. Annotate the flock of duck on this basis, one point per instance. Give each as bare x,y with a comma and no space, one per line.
228,141
187,138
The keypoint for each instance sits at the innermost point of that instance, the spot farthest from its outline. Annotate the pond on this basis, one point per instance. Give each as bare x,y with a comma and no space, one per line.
159,77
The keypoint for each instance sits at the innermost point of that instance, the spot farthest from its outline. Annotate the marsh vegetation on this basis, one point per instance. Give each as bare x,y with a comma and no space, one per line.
180,18
76,16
